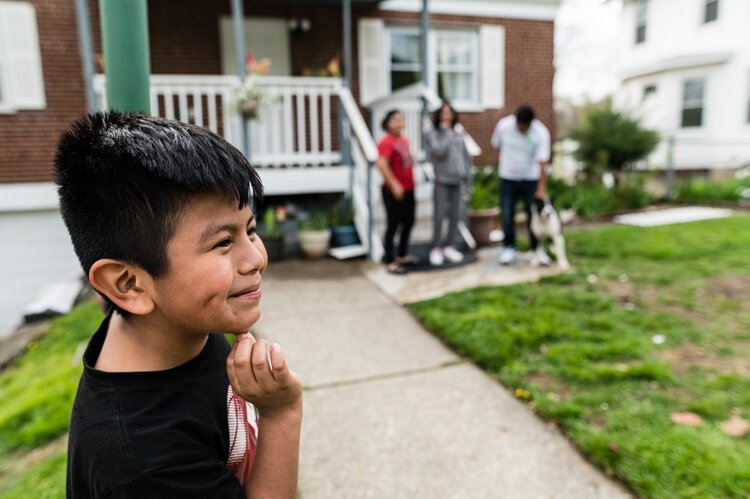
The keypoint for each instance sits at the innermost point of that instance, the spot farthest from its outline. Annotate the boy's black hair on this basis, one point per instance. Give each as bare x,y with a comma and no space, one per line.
436,115
525,115
390,114
124,181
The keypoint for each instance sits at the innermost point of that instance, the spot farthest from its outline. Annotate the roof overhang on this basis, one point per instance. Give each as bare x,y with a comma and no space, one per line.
675,64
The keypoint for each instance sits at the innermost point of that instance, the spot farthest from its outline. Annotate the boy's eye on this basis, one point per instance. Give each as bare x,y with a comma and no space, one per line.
251,231
223,243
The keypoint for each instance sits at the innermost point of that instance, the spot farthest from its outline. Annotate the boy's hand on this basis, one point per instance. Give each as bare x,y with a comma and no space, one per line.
273,389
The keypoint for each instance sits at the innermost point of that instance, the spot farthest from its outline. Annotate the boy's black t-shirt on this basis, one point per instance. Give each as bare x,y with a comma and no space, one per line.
155,434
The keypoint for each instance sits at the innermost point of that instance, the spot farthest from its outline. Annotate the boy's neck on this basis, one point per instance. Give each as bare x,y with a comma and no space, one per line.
138,344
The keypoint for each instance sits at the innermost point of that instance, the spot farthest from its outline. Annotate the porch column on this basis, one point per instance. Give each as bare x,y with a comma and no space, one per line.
344,125
240,52
126,54
425,22
87,52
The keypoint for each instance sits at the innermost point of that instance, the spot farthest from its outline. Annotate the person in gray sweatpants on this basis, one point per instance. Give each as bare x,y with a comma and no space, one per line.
452,166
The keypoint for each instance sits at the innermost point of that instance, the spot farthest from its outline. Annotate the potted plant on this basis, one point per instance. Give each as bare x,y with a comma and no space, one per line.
314,235
341,220
250,95
273,232
484,205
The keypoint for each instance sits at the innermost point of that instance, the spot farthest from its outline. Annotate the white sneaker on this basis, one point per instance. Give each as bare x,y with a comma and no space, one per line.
508,256
542,257
453,255
436,257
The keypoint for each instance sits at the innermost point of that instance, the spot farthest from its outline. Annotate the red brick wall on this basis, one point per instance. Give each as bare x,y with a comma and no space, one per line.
28,138
185,40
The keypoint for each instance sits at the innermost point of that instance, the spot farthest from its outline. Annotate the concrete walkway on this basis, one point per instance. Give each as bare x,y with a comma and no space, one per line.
391,412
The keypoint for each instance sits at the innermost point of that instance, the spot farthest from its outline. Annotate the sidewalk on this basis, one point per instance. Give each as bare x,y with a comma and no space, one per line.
391,412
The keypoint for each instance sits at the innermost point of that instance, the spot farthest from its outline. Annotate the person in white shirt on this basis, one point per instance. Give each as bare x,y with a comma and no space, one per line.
524,144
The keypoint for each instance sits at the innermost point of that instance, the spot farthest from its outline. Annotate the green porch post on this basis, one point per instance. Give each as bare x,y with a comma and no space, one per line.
126,54
424,46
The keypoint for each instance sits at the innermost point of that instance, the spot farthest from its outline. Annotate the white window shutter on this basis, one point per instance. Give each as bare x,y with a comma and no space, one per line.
492,67
22,56
372,60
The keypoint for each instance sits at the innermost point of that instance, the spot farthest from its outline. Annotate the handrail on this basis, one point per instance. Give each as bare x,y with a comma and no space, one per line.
358,125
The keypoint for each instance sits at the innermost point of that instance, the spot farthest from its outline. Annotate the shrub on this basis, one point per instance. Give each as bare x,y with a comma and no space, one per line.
485,189
706,191
609,140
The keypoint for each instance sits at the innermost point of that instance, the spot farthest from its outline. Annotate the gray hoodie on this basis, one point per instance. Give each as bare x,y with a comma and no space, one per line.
449,156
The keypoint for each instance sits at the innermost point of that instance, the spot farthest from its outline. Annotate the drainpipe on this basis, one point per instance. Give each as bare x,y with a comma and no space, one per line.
344,125
126,54
87,52
240,52
425,21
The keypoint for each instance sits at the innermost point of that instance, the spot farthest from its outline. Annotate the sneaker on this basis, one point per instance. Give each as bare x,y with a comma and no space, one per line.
453,255
508,256
542,257
436,257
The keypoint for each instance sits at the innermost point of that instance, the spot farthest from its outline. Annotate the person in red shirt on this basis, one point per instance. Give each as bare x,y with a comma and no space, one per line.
396,166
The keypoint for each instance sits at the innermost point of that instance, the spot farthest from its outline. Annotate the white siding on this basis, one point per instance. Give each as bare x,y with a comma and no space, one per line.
36,250
679,46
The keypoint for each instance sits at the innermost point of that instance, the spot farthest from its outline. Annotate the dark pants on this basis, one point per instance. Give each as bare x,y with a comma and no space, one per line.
510,192
400,213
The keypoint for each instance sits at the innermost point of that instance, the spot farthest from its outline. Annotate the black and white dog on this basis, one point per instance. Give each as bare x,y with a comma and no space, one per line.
545,222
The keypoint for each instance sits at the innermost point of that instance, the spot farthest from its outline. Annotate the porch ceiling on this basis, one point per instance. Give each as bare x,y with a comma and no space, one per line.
327,2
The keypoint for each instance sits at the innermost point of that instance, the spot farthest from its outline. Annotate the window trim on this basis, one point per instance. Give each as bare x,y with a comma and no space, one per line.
473,105
683,106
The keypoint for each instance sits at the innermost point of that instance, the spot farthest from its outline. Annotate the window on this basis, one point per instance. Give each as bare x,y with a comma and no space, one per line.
640,21
648,91
711,11
406,57
21,79
454,62
692,103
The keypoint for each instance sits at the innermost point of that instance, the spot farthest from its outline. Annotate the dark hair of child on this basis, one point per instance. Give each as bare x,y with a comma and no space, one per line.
436,115
390,114
525,115
124,181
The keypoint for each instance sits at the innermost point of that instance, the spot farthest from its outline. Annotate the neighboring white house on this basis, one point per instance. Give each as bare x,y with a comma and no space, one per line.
685,71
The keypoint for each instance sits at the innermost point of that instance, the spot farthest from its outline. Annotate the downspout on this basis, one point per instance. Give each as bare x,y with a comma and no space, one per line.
425,22
345,132
83,22
240,52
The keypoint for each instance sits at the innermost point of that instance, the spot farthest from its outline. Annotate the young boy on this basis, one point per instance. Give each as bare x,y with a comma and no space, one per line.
159,216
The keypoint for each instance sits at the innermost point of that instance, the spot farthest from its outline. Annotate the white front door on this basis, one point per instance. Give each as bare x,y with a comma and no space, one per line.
264,37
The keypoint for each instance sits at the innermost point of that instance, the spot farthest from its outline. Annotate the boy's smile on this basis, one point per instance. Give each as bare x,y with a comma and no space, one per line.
216,261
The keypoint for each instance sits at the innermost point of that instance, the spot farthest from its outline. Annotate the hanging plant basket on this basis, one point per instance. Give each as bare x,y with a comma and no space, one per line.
249,108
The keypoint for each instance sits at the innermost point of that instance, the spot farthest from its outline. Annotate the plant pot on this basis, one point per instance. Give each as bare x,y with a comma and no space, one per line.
481,223
274,248
344,235
314,242
249,108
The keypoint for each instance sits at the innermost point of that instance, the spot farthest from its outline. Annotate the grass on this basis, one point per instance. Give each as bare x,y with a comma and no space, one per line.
37,392
707,191
583,349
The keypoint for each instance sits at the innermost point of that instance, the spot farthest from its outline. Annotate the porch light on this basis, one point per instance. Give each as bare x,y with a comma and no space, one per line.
296,25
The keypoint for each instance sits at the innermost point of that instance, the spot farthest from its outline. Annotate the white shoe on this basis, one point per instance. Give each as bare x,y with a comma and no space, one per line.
436,257
542,257
453,255
508,256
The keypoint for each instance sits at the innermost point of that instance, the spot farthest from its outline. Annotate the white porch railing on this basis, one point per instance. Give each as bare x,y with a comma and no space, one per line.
294,127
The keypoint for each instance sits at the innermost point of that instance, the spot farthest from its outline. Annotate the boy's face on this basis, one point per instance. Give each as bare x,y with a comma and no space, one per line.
216,261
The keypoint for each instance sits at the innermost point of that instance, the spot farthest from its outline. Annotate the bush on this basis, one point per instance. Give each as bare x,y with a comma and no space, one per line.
485,192
609,140
705,191
591,201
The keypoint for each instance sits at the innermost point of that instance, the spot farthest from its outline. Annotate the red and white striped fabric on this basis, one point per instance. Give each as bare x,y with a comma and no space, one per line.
243,435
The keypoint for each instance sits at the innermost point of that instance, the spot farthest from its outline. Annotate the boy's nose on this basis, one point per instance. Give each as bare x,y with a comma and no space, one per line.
252,256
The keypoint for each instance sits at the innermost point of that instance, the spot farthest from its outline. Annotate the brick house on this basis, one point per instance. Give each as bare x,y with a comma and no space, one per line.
488,56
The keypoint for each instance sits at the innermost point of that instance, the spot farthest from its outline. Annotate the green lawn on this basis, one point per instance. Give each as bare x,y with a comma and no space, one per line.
37,393
585,349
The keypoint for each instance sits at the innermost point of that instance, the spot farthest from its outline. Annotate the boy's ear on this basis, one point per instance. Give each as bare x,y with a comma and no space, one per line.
126,285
